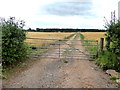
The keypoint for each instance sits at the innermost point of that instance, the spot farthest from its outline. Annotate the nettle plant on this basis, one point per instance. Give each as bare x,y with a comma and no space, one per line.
14,49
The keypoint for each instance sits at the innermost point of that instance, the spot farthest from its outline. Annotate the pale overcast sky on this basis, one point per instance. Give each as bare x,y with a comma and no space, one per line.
60,13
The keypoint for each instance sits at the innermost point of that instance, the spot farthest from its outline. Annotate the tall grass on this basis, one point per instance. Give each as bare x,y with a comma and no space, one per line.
108,60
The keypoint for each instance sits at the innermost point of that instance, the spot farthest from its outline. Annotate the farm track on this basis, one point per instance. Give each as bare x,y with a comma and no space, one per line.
54,73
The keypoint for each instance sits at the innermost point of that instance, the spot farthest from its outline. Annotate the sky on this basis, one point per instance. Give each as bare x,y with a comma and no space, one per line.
83,14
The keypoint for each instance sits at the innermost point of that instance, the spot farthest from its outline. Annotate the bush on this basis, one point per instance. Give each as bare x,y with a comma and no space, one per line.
108,60
113,36
14,49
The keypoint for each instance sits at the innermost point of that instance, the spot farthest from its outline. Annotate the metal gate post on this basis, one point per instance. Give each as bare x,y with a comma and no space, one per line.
59,49
97,49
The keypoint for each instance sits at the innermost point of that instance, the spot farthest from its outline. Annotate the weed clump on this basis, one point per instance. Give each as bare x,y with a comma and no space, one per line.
108,60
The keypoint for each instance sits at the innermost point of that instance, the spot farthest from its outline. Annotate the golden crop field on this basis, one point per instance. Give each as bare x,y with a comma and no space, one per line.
45,35
94,35
51,35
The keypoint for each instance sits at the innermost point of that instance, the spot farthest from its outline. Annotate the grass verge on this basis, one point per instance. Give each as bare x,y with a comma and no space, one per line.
108,60
82,37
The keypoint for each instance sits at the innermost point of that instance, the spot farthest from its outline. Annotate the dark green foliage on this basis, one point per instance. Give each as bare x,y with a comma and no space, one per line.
14,49
64,30
113,37
108,60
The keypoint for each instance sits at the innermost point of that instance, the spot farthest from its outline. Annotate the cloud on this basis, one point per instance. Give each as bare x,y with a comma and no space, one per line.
70,8
53,21
59,13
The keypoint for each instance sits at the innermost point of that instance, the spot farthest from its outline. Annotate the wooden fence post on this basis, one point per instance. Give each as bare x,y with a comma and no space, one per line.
101,44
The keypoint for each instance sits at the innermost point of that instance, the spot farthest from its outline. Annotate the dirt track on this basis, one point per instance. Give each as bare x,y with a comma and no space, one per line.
54,73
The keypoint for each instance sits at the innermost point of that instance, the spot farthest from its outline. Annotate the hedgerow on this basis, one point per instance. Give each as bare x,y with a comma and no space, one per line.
14,49
109,58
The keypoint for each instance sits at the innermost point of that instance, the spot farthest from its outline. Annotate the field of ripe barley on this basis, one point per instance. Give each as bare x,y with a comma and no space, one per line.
45,35
93,35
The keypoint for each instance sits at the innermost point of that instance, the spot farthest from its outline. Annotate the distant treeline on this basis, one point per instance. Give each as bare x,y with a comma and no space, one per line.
65,30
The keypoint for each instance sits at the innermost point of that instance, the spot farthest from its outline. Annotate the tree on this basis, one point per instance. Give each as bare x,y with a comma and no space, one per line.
14,49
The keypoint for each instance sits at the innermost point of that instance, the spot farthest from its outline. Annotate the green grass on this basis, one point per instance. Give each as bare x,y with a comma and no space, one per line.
82,36
108,60
113,78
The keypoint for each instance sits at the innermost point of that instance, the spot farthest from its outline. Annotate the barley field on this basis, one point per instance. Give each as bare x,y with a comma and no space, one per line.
94,35
50,35
45,35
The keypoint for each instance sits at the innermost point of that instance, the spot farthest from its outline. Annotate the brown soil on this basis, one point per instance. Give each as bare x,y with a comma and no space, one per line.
55,73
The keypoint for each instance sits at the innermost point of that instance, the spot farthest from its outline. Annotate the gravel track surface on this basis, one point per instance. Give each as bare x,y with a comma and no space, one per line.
55,73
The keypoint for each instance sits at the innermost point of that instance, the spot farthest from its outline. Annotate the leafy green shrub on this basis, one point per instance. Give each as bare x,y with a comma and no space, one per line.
14,49
113,36
108,60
